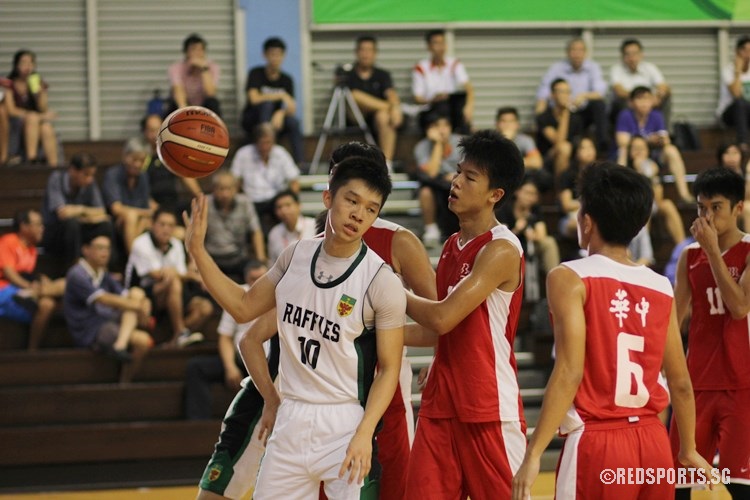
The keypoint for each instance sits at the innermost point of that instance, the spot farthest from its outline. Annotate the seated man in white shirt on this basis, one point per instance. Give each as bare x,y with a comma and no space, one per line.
265,169
443,83
157,264
631,72
293,226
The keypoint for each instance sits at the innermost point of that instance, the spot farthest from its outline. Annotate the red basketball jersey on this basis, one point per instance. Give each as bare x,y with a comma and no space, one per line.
718,355
473,377
627,312
380,238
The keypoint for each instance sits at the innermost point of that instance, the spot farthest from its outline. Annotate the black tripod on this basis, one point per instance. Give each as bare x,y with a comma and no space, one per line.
342,96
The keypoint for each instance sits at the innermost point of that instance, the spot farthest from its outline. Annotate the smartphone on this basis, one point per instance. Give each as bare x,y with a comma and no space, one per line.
35,83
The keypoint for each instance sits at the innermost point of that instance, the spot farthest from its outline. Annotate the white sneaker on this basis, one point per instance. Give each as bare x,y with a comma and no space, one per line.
431,236
187,338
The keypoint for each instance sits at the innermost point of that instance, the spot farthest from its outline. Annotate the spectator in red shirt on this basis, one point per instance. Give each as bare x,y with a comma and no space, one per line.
26,297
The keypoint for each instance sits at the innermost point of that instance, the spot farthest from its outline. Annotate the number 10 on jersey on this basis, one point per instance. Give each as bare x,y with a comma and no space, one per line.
309,351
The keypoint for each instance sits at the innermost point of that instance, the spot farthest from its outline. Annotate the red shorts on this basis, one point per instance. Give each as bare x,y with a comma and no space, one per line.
612,445
394,447
722,423
452,459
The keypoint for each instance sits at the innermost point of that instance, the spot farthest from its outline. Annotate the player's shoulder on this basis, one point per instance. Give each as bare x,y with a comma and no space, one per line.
599,266
503,235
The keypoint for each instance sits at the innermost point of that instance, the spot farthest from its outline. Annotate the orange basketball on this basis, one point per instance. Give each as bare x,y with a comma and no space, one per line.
193,142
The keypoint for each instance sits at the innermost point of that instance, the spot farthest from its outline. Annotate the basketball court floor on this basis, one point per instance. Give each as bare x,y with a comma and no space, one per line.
543,490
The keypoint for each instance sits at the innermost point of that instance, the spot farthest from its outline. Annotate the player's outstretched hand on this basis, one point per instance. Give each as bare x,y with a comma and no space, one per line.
524,479
267,421
358,458
195,225
695,460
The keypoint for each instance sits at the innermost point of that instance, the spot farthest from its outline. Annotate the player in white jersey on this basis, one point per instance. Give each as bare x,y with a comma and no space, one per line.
338,306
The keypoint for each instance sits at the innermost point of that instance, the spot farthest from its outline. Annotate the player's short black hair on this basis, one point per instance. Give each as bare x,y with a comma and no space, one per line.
274,43
639,91
372,173
720,181
191,39
506,110
356,149
428,36
496,156
79,161
619,200
365,38
630,41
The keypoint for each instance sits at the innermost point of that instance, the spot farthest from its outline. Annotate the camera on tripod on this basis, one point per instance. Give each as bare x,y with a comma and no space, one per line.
340,74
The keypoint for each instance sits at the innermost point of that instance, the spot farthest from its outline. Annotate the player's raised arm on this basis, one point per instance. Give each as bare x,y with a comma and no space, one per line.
566,295
498,265
243,306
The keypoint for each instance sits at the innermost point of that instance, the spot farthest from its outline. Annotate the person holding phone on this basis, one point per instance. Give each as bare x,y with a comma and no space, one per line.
28,110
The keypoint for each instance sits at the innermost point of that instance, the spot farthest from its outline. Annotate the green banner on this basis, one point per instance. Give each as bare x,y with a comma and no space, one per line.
425,11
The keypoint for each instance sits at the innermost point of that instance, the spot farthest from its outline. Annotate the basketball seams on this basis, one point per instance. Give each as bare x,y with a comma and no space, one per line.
193,142
168,136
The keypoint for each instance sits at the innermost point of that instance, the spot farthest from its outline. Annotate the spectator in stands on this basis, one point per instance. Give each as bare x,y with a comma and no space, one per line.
157,264
734,96
163,184
293,226
437,156
194,80
270,98
234,236
72,206
585,155
265,169
587,87
443,84
558,128
507,123
4,123
101,314
523,216
227,367
28,110
25,295
643,120
729,155
641,249
639,159
375,95
127,194
631,72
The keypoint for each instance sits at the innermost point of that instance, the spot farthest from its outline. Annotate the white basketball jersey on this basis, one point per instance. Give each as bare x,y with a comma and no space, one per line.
328,356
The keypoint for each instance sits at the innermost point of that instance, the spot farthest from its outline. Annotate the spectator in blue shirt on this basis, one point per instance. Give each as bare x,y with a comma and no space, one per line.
641,119
100,314
127,193
587,86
